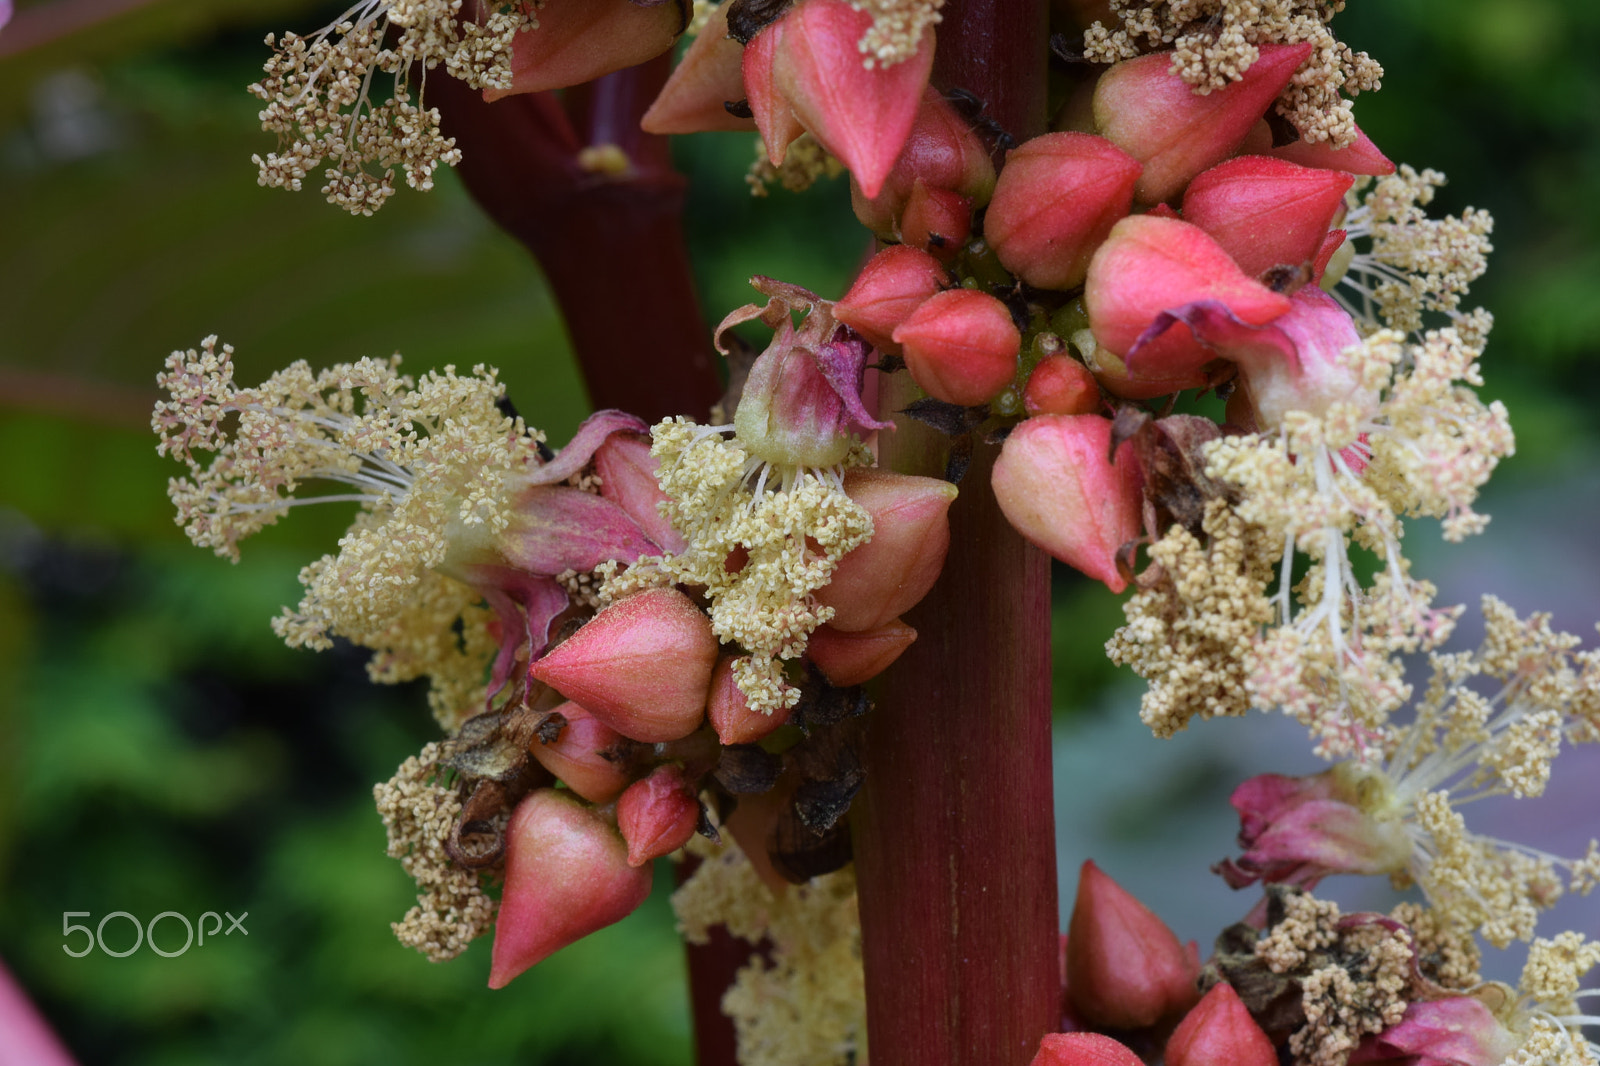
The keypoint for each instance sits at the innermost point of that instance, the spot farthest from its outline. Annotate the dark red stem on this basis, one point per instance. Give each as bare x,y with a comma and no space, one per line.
954,829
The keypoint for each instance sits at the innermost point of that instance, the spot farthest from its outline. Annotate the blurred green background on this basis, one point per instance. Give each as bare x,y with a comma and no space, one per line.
159,750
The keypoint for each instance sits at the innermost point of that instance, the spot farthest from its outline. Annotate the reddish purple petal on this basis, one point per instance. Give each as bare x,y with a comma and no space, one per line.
556,528
593,433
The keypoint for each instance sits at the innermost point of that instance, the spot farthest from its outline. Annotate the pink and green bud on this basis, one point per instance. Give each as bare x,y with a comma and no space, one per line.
774,117
730,713
1153,115
710,74
937,221
642,666
1060,385
567,875
1361,157
1457,1031
1150,266
579,42
584,755
1219,1031
657,815
1298,830
847,659
1060,488
942,152
892,285
1125,968
887,576
961,346
1055,202
1083,1049
862,116
1266,212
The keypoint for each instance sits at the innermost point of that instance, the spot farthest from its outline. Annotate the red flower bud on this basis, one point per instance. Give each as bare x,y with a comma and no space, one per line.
1265,212
847,659
936,220
657,815
579,42
567,875
1362,157
960,346
894,283
888,575
862,116
579,755
1060,385
710,74
642,666
730,713
1220,1030
1055,202
941,152
1083,1049
1125,968
1059,488
1153,115
774,117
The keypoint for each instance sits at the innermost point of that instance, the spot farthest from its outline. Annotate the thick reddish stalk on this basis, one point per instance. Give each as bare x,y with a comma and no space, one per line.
954,830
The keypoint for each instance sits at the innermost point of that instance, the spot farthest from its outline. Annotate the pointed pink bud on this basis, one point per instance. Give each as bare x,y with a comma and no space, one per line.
774,117
1361,157
888,575
584,756
576,43
892,285
1298,830
1150,113
657,815
730,713
1265,212
1055,202
1125,969
567,875
1458,1031
961,346
1083,1049
937,221
628,478
642,666
847,659
941,152
1059,488
862,116
1220,1030
710,74
1151,265
1060,385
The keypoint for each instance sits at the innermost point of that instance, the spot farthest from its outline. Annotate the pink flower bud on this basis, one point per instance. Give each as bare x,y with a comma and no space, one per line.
567,875
1265,212
1125,968
941,152
1059,488
1055,202
628,478
710,74
730,713
936,220
1362,157
1153,265
576,43
1060,385
847,659
583,756
657,815
642,666
892,285
862,116
1220,1030
1153,115
1458,1031
887,576
1298,830
961,346
1083,1049
774,117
